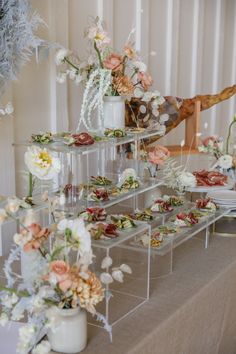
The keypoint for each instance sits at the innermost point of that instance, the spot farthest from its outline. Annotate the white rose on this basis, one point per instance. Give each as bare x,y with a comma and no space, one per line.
225,162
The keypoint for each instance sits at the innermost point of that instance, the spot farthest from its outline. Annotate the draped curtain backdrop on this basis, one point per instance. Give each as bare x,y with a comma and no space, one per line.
195,45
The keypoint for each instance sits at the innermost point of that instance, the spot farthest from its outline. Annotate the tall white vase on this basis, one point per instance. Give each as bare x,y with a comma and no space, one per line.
70,334
114,112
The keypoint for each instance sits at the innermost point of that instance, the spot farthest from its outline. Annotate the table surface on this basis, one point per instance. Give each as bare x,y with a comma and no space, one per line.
194,268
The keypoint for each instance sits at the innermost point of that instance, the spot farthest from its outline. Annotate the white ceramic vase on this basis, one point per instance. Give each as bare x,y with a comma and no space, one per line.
70,334
114,112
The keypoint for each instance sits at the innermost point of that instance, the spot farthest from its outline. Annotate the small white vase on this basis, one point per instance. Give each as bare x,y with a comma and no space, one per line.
70,334
114,112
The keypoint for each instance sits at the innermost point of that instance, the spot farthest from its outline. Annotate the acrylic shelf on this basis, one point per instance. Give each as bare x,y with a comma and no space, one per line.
59,147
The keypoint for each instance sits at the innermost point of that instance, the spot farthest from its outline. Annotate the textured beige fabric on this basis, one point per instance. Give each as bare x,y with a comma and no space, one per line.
191,311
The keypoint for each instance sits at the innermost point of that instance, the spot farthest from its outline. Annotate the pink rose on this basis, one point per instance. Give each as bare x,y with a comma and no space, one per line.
60,270
113,62
158,154
145,80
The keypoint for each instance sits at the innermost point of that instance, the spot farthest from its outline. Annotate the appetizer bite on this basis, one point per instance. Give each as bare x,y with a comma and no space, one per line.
93,214
206,204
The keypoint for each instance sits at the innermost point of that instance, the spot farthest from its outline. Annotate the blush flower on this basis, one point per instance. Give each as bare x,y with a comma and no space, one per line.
39,235
60,271
158,154
145,80
113,62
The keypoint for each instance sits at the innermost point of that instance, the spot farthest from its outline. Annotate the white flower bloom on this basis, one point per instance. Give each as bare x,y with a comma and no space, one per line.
125,268
138,92
2,112
79,79
140,66
72,73
3,216
9,108
21,240
41,163
127,173
26,336
37,303
106,262
61,78
13,204
186,180
147,96
118,275
9,300
106,278
155,112
3,319
225,162
61,55
42,348
17,313
182,143
62,199
79,233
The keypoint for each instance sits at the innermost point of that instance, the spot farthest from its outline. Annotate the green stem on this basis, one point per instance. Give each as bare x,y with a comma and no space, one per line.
30,192
71,64
13,291
99,55
228,137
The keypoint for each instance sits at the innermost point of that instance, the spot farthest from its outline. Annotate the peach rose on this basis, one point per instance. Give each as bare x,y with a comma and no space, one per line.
61,270
158,154
39,235
145,80
113,62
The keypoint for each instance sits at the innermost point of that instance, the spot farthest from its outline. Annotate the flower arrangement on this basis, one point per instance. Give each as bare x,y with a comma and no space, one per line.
176,176
154,157
213,145
62,279
105,72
